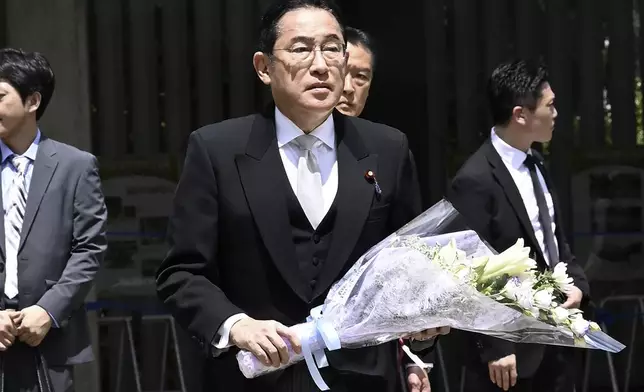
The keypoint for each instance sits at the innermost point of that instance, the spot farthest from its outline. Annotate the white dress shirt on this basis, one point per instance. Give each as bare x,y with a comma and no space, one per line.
514,161
325,153
8,174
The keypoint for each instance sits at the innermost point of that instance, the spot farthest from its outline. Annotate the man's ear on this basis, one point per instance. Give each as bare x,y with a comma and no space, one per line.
33,102
261,63
518,114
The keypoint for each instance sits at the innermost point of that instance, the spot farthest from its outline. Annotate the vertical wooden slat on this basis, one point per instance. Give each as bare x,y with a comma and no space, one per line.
240,40
591,96
177,75
641,57
112,131
529,27
621,85
209,60
560,65
436,55
497,32
3,23
466,58
144,92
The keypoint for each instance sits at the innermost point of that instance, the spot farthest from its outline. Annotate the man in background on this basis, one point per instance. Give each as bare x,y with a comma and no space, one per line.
360,68
361,64
52,239
505,193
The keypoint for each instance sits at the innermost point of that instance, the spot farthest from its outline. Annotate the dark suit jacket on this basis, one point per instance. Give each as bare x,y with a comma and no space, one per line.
61,246
484,192
231,249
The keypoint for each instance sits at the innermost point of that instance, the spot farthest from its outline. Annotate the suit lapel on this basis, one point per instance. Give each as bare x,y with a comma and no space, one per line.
353,199
261,172
44,168
504,178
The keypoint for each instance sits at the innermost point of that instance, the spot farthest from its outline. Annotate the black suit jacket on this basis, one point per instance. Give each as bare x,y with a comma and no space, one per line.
231,249
484,192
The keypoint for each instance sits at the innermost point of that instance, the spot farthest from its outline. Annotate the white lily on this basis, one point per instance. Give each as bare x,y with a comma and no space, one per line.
462,273
448,253
513,261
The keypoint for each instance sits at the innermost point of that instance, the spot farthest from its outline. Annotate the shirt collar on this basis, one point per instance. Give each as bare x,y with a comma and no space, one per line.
287,131
30,153
511,156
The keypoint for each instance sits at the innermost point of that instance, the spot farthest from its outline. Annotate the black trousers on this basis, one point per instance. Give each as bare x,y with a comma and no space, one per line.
557,373
19,365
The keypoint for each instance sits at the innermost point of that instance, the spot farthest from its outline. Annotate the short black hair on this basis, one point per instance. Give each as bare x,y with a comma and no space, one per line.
28,73
515,83
359,37
275,12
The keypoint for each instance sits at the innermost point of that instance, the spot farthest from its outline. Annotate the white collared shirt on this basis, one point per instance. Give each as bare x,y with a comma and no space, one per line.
325,152
8,175
513,160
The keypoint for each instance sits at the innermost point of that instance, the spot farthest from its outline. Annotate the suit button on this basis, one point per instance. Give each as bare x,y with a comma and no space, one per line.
316,261
316,238
1,267
312,283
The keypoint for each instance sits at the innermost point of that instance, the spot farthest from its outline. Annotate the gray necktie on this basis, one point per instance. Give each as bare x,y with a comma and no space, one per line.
14,216
544,212
309,180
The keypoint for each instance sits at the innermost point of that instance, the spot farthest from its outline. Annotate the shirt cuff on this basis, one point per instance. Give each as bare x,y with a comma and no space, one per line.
53,321
222,338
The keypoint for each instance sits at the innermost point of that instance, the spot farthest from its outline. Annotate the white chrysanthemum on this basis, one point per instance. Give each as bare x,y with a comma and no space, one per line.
560,275
520,292
579,325
543,298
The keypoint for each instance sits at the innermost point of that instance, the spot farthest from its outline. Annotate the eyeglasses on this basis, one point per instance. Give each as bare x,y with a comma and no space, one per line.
332,52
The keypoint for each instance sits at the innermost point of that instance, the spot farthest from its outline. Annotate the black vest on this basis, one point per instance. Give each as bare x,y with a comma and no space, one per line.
311,246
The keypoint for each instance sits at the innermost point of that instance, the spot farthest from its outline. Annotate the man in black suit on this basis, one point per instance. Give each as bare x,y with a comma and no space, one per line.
504,193
273,208
359,75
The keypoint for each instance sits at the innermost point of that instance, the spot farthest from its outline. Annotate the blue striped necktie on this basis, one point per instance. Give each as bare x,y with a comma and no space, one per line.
14,216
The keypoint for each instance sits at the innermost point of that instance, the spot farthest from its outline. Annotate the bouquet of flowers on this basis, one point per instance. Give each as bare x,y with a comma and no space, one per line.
432,273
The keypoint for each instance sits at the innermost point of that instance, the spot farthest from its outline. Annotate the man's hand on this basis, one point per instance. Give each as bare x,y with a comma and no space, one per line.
574,298
267,340
418,380
430,333
7,329
503,372
34,326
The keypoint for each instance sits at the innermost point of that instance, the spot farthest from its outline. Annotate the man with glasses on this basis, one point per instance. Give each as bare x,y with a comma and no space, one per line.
273,208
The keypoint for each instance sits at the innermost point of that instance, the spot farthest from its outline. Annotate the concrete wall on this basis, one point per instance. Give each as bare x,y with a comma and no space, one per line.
3,25
57,29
